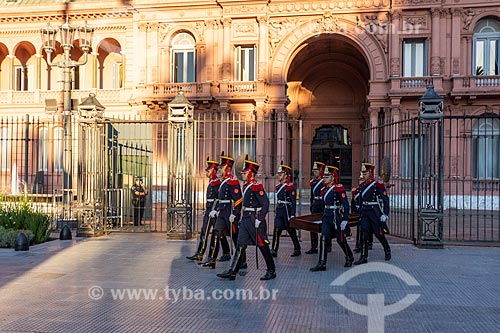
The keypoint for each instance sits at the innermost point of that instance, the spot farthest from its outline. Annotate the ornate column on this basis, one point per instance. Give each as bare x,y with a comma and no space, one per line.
164,64
435,46
141,52
226,57
94,67
372,150
211,25
10,62
263,43
455,41
201,68
152,46
394,53
37,74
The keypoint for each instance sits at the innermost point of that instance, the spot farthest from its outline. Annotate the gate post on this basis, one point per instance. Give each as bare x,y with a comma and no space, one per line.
430,170
180,166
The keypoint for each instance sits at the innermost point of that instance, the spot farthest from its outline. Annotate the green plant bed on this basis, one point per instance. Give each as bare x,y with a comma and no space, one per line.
22,216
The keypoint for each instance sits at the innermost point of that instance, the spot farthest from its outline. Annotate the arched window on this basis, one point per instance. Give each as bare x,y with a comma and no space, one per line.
183,58
486,148
486,53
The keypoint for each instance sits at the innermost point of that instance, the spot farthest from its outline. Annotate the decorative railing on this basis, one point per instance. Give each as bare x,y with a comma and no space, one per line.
414,85
476,85
40,96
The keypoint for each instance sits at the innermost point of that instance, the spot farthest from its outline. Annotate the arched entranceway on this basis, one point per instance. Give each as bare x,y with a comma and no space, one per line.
328,88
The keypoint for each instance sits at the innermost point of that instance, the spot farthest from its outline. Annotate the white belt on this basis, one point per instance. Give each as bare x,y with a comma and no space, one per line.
284,202
317,198
250,209
370,203
331,207
224,201
210,200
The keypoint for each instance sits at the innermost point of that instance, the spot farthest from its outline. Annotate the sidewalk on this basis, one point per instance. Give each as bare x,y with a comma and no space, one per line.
143,283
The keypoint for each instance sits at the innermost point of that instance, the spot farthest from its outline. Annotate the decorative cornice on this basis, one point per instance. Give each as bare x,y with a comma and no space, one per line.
245,9
61,17
306,7
106,29
416,2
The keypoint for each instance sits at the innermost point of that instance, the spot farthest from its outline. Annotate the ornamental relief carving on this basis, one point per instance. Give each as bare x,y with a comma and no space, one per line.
244,29
278,30
376,25
258,9
467,18
165,30
416,2
415,22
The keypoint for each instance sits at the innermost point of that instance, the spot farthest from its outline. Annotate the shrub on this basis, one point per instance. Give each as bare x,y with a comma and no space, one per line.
8,237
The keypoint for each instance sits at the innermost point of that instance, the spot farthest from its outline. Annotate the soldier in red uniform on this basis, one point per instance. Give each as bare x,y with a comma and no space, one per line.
316,201
285,210
227,209
253,223
335,218
208,223
372,204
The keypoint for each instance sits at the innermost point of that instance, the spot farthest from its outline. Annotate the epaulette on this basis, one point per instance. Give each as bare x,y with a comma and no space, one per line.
380,184
257,187
233,181
215,182
339,188
289,187
312,181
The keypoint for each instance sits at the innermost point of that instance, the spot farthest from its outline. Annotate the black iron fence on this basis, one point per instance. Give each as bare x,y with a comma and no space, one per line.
471,186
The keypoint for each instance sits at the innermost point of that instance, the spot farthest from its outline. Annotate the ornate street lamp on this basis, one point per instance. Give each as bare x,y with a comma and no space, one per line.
430,170
49,42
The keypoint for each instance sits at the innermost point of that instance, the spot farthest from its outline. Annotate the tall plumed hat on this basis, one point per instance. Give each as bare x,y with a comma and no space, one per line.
250,166
226,160
211,164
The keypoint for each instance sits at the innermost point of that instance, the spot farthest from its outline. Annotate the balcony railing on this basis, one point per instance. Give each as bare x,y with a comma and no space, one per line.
414,85
476,85
40,96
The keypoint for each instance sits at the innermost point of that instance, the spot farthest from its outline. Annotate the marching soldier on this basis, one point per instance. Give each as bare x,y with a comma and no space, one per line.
285,210
253,223
208,223
226,211
372,203
335,218
316,206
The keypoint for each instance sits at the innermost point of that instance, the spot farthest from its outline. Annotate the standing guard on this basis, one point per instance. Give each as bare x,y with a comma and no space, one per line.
253,229
227,209
372,203
335,218
285,210
316,206
208,223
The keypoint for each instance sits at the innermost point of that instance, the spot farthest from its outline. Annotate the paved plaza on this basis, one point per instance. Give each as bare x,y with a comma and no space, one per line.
142,282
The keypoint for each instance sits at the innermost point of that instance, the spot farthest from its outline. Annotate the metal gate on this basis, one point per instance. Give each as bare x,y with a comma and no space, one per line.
455,169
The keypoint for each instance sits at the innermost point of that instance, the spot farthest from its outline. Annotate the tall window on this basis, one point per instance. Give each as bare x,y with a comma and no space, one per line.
486,53
245,62
243,145
58,149
408,154
43,138
183,58
5,158
486,148
414,57
117,75
20,78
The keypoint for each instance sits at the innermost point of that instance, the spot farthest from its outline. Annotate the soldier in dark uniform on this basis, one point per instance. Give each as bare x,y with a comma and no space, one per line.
316,206
253,223
335,218
357,247
139,193
285,210
372,203
227,209
211,195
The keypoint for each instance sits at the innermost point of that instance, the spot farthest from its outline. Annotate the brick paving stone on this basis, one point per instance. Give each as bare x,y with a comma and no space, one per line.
72,286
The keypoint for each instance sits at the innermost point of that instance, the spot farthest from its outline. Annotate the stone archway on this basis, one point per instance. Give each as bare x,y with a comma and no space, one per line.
292,36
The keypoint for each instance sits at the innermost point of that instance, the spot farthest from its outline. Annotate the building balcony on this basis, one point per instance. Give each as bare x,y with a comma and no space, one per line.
41,97
414,86
476,85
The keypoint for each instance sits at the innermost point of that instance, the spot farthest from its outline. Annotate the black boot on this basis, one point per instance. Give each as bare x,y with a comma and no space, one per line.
243,260
363,259
321,266
213,251
295,241
199,254
357,247
342,241
387,248
314,244
225,249
276,241
230,274
271,267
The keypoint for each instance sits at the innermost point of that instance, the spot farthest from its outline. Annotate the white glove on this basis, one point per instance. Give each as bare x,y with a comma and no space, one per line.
383,218
257,223
232,217
291,217
213,214
343,225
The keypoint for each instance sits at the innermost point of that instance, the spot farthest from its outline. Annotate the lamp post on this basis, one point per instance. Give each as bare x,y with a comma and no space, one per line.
67,64
430,170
